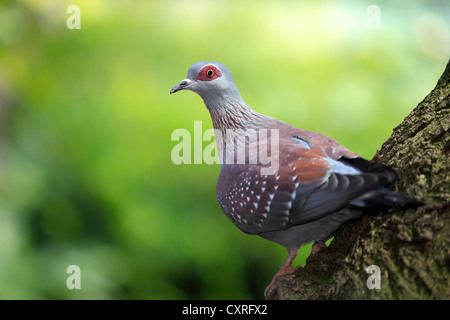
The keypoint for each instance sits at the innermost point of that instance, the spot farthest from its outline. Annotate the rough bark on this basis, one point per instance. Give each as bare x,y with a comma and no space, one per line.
410,246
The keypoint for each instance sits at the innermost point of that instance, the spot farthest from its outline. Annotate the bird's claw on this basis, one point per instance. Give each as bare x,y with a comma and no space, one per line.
270,290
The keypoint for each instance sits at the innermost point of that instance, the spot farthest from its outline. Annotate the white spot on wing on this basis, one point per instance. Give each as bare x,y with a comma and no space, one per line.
302,142
342,168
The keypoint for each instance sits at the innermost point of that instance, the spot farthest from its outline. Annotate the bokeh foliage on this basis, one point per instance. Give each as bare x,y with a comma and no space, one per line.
86,176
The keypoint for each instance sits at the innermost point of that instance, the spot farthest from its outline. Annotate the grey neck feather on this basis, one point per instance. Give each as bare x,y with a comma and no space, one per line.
235,123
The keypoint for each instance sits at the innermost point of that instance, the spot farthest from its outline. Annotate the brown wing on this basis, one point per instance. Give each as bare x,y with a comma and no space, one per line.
304,188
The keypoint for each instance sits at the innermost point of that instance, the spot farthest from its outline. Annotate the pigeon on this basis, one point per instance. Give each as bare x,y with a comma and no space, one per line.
287,185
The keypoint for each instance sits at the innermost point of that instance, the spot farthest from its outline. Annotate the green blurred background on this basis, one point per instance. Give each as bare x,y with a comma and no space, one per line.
86,118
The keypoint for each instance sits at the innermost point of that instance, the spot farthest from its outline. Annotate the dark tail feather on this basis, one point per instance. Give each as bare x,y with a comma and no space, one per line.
384,197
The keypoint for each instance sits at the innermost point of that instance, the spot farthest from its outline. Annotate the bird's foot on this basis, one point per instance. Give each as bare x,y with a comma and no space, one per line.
317,246
285,270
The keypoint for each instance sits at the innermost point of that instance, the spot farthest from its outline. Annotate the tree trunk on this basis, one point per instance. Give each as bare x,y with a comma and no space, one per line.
411,246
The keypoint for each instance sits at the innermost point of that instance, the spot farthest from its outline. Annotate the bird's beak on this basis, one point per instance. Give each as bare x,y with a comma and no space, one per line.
181,86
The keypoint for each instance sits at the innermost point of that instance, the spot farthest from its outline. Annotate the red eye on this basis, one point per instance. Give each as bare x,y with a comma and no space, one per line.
208,73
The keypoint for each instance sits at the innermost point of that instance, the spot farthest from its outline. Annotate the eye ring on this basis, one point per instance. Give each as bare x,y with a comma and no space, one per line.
210,73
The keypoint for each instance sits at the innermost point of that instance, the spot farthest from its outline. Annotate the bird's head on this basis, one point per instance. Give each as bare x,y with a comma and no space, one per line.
212,81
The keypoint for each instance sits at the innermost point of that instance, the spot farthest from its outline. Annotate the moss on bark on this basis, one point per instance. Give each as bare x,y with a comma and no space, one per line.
410,246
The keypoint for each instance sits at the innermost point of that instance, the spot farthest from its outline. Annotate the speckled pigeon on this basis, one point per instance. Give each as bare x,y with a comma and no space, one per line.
315,185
